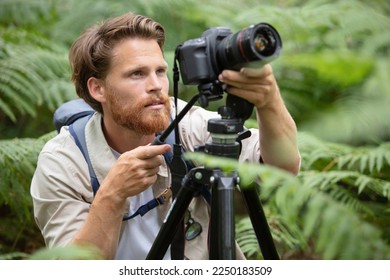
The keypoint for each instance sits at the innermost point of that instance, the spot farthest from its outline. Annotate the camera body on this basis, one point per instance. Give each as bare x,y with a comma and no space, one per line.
201,60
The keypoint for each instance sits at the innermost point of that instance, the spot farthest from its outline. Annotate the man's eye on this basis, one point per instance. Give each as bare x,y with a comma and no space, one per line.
136,74
162,71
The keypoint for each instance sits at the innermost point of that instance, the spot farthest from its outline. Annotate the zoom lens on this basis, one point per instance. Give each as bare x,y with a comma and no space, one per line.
257,43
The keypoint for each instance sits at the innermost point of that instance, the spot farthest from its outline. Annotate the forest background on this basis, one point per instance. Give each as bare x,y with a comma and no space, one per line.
334,75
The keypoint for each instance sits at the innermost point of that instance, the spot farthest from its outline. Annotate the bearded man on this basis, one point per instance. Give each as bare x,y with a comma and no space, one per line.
118,68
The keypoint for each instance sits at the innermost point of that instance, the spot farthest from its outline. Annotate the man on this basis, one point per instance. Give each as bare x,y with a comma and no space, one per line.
118,67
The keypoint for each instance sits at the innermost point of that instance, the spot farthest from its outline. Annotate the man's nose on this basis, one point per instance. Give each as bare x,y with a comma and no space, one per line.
154,83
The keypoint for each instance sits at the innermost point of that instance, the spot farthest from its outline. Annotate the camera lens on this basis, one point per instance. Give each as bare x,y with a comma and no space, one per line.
264,44
257,43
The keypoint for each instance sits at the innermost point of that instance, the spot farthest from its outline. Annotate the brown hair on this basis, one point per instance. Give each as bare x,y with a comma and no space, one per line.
90,54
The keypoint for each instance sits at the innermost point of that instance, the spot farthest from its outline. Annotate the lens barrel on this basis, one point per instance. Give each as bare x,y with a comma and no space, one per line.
257,44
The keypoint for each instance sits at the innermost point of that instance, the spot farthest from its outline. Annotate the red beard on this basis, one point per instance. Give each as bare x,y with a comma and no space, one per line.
138,118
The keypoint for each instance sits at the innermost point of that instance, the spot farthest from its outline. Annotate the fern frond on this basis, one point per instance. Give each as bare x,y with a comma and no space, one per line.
25,12
367,159
321,155
331,218
246,239
286,235
70,252
18,160
326,207
16,84
340,232
6,108
29,77
248,172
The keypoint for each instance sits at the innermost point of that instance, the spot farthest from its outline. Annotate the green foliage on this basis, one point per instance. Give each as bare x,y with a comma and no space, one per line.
334,67
25,12
34,74
20,156
71,252
17,229
336,213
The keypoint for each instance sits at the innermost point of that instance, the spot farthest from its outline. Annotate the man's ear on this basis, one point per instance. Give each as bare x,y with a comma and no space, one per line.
96,89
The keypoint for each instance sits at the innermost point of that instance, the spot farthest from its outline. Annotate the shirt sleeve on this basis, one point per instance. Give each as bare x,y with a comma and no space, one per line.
60,191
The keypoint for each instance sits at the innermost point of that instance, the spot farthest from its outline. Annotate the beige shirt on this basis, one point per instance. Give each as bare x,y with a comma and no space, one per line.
62,193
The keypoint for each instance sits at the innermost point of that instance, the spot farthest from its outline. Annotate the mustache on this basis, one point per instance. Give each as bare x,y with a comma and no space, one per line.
157,99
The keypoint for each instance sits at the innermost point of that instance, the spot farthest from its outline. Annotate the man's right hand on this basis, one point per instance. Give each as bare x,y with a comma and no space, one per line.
135,171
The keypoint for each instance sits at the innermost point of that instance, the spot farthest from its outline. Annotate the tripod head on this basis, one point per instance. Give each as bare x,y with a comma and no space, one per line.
228,131
224,131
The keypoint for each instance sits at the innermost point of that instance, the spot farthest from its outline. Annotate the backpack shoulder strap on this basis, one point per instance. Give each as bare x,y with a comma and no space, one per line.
71,111
77,130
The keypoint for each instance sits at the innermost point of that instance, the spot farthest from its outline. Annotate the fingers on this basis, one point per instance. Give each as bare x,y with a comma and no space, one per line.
147,152
146,157
246,75
148,175
256,85
257,73
136,170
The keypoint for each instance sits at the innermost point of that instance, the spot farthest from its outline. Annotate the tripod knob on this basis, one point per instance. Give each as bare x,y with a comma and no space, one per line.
225,112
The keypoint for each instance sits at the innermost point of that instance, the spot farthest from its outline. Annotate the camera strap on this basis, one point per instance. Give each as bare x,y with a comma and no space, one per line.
178,169
159,200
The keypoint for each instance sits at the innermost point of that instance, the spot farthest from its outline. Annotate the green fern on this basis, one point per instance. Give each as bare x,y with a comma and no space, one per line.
25,12
333,208
19,156
71,252
340,232
371,160
29,75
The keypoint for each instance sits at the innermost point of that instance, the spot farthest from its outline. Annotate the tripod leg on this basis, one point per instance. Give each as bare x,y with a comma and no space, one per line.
222,226
259,223
171,224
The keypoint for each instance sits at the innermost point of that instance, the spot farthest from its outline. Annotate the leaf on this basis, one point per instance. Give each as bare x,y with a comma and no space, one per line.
71,252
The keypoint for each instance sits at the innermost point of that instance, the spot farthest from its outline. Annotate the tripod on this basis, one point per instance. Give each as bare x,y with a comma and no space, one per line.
226,134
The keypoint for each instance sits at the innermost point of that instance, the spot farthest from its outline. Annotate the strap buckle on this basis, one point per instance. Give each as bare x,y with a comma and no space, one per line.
164,196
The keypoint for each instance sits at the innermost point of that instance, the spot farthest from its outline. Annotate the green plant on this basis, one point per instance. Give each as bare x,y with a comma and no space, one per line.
17,228
337,208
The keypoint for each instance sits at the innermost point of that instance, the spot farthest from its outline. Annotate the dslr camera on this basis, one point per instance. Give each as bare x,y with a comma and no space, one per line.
201,60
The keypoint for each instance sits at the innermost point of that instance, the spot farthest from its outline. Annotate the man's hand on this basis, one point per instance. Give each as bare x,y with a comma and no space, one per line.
256,85
135,170
278,144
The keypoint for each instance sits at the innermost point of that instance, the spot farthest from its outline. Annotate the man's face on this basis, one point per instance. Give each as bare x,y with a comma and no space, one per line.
136,87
